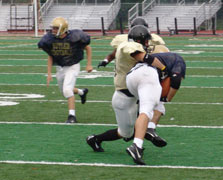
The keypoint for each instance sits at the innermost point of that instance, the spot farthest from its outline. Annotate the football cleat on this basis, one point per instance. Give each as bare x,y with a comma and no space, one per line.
83,97
154,138
136,153
94,143
71,119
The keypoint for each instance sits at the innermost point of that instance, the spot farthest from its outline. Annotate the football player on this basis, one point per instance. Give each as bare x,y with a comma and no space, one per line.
153,42
65,49
155,45
123,102
143,82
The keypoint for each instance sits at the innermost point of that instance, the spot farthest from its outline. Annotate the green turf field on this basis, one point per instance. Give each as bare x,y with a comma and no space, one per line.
35,143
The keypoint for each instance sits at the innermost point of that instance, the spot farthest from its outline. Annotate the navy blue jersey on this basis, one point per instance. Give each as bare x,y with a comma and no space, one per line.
66,51
173,62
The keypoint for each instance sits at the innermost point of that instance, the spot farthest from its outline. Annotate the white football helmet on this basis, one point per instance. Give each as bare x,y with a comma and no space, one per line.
59,26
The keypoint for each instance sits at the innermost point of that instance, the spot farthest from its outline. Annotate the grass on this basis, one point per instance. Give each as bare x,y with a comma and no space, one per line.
198,103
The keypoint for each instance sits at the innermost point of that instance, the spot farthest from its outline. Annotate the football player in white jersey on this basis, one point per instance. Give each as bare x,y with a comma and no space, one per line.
155,45
65,49
123,102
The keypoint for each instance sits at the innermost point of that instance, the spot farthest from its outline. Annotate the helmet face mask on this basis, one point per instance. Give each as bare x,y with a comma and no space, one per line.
59,26
139,34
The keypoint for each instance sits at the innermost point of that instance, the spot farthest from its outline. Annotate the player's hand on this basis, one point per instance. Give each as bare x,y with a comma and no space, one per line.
49,78
164,99
103,63
164,73
89,68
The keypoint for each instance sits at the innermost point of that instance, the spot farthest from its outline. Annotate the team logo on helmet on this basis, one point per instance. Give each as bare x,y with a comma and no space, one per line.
59,26
139,34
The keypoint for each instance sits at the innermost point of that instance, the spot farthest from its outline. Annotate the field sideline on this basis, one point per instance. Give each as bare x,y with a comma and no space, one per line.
37,144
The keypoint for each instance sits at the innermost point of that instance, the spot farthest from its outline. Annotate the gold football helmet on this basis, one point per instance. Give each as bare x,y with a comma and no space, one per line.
59,26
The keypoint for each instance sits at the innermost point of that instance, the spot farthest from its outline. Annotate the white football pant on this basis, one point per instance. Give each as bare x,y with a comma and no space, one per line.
66,78
143,83
126,113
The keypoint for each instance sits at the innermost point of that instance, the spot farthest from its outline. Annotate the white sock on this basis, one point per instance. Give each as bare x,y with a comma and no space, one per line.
72,112
152,125
80,92
138,142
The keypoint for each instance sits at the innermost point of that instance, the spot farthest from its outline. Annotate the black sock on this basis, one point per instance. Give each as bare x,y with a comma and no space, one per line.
109,135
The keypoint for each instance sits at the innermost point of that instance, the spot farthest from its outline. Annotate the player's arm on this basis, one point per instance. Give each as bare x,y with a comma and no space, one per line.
145,57
108,59
175,82
89,67
49,69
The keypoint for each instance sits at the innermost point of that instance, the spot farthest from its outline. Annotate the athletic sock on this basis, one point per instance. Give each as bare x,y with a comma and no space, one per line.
80,92
72,112
109,135
138,142
152,125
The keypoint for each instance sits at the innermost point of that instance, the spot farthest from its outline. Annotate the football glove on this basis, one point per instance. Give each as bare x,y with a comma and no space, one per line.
164,99
103,63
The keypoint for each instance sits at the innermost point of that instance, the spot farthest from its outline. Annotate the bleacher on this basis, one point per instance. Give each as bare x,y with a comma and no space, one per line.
5,17
83,16
182,11
86,16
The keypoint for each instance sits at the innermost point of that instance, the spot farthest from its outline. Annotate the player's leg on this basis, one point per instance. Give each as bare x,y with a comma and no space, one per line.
125,111
144,84
151,133
69,82
82,93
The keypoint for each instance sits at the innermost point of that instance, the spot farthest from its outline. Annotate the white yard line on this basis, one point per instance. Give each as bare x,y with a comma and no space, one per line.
96,101
108,165
10,65
97,124
15,59
112,74
96,85
2,48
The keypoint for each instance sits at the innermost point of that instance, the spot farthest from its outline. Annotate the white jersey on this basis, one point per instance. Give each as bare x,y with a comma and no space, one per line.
124,62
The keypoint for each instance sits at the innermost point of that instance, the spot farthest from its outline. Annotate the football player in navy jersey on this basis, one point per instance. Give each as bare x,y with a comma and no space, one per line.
66,49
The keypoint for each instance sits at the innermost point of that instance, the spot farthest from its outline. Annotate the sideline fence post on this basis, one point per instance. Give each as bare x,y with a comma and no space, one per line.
102,26
157,25
195,29
176,29
213,26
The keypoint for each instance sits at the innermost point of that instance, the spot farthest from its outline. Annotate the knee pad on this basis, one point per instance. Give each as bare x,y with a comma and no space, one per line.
68,93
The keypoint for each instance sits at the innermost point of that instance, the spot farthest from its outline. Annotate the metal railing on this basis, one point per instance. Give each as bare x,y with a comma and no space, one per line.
113,11
200,15
45,8
147,5
214,6
181,2
133,13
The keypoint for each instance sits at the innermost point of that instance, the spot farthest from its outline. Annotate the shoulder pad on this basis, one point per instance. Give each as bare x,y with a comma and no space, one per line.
156,40
131,47
118,40
46,40
78,35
